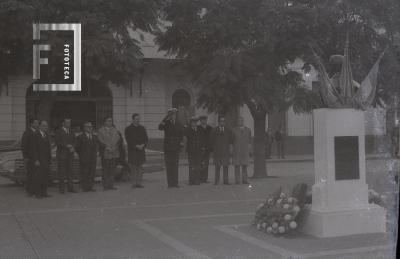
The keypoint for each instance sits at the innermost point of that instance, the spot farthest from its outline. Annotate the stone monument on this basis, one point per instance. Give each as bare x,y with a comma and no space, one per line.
340,194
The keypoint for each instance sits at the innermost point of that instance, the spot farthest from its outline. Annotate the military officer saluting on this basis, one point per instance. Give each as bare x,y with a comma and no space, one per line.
194,150
173,142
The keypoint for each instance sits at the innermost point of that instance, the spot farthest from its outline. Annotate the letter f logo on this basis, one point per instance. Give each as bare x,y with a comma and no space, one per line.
37,48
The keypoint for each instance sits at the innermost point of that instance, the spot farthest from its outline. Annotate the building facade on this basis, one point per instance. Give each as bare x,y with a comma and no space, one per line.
160,86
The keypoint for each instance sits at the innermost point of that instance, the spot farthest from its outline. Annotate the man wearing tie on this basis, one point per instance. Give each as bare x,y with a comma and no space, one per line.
41,157
221,141
205,133
193,149
65,141
173,137
26,147
87,146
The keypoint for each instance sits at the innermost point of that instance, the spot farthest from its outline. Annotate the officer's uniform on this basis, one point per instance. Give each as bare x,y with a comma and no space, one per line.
173,135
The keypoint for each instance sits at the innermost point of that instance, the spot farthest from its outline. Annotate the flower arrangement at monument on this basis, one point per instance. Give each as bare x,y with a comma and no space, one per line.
279,214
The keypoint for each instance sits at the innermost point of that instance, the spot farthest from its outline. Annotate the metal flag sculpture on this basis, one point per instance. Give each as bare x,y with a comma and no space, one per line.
341,91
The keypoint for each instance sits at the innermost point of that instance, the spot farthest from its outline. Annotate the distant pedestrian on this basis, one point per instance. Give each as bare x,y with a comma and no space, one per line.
395,137
242,149
26,147
65,141
136,138
269,139
205,134
109,139
221,141
280,142
87,146
194,150
41,156
173,143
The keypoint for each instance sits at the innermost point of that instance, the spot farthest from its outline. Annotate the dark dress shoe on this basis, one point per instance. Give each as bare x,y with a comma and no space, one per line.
71,190
38,196
46,195
245,182
62,191
92,190
139,186
113,188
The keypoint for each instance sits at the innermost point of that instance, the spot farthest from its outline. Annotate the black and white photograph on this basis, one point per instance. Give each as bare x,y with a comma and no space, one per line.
204,129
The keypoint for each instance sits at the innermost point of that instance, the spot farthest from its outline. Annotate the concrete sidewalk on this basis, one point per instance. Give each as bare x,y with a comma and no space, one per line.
203,221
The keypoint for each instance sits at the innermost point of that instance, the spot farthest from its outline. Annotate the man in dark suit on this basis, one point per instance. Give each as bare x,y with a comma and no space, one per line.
221,141
193,149
41,156
205,134
87,146
26,147
173,136
136,138
65,141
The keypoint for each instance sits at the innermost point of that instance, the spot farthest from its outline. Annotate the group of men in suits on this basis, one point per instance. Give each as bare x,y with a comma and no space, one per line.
201,140
37,153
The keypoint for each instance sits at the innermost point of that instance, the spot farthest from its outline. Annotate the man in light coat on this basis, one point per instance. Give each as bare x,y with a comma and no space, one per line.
109,139
241,151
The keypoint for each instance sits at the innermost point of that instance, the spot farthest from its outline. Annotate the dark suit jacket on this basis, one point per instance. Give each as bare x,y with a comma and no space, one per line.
173,135
63,139
87,149
26,143
193,144
220,143
41,149
205,134
136,135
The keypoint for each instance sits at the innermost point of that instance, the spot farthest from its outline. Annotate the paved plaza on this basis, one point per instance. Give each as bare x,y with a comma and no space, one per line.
203,221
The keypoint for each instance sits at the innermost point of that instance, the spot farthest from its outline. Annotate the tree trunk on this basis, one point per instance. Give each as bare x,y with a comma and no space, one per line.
260,169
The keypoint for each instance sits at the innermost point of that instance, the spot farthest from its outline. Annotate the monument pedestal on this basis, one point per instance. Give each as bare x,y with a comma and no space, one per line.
340,193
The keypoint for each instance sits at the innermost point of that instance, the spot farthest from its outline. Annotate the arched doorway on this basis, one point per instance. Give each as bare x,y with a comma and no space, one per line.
93,104
181,100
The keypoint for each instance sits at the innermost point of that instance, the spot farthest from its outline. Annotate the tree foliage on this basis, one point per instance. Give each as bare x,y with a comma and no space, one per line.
109,53
240,52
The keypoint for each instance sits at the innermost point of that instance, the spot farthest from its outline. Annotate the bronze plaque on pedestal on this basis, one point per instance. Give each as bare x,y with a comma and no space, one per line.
346,158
